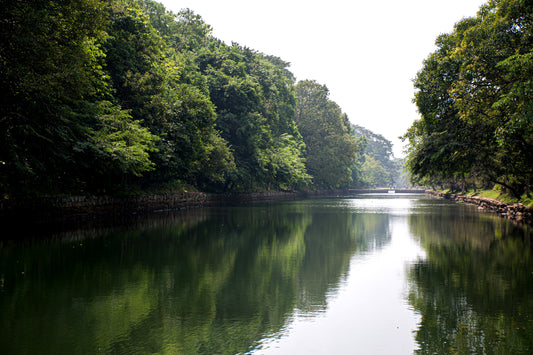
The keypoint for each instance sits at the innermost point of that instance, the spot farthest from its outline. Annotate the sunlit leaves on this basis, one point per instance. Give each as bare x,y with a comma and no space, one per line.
124,141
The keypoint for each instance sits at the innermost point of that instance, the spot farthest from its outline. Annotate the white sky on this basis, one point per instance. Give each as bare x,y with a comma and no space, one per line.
365,52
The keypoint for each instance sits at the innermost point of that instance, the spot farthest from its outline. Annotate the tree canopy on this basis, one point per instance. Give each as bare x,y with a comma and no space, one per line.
60,124
331,146
474,95
112,96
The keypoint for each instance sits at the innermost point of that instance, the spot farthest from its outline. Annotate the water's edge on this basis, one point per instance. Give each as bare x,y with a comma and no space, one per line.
81,207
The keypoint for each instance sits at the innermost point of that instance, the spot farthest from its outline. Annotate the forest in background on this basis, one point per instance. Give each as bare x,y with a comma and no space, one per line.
475,98
121,96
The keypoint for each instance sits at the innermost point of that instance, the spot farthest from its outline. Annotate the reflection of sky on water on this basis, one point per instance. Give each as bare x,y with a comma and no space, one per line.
390,204
368,313
394,204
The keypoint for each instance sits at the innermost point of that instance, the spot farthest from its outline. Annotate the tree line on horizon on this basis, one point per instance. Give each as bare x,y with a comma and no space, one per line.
475,98
108,96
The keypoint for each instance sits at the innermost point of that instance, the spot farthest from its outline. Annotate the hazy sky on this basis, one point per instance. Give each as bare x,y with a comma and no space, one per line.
365,52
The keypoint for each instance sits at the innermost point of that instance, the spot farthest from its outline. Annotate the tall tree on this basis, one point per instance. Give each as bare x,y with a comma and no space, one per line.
253,95
152,80
475,102
439,144
255,113
331,146
493,89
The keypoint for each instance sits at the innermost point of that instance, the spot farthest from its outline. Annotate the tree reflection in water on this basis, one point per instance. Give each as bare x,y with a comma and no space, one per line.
474,290
216,281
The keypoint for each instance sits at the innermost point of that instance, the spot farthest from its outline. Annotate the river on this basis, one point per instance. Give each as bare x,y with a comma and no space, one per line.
372,274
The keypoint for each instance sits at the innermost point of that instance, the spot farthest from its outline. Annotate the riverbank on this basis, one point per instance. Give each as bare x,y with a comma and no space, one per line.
80,207
65,208
513,211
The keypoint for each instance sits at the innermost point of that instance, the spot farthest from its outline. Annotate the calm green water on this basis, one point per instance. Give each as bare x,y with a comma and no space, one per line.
378,274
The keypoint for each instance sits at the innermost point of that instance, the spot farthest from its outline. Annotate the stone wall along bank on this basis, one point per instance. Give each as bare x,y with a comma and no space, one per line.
68,207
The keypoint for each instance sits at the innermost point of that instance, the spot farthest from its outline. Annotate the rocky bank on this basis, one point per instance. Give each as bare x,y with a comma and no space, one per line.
514,211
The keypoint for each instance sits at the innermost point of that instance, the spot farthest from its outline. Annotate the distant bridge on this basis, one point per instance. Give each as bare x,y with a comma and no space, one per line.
385,191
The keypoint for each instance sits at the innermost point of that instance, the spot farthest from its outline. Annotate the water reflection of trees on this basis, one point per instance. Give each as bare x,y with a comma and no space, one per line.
331,239
215,283
474,290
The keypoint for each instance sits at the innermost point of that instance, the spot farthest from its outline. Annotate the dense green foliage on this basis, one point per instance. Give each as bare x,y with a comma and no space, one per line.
475,97
331,146
60,124
105,96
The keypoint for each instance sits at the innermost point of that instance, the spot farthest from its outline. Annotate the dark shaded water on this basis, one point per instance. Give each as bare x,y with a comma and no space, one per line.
378,274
